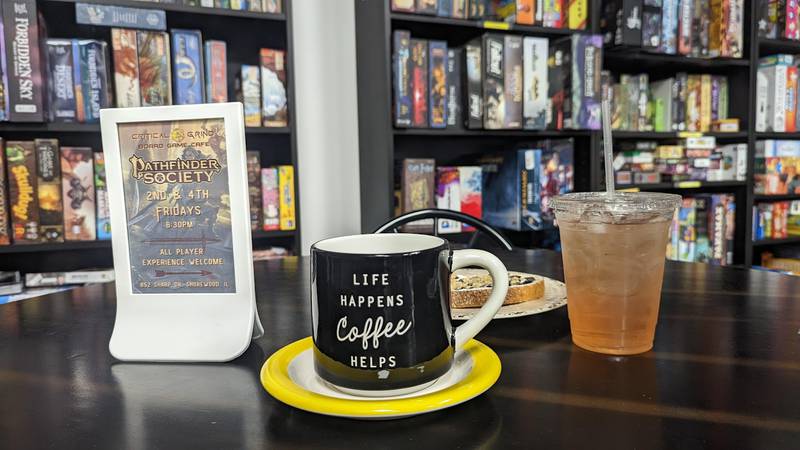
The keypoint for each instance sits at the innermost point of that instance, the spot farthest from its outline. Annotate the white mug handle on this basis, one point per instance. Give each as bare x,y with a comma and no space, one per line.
499,274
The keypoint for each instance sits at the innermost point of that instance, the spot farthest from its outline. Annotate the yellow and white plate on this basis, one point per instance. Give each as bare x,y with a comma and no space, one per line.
288,375
555,296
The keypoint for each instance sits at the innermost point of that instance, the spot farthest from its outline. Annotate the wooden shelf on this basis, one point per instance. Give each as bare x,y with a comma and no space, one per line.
258,234
649,60
456,132
766,242
683,185
620,134
776,135
186,9
775,198
487,25
55,246
774,46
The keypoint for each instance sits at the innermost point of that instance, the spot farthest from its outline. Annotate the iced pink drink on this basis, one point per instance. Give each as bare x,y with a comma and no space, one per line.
614,251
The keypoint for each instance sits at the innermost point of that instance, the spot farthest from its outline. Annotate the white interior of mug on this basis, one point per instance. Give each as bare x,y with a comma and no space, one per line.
370,244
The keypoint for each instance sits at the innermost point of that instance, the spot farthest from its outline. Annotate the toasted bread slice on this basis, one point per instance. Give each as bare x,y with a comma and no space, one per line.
470,288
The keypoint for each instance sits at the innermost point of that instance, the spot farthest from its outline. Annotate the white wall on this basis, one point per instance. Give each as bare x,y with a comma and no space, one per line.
326,117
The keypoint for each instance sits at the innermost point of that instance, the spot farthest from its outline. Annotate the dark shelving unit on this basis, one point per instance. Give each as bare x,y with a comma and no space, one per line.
382,145
773,242
245,33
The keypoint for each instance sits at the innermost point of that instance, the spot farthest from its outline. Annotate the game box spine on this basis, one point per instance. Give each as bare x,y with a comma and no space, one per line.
669,27
94,78
5,229
154,68
274,99
77,190
428,7
587,60
249,90
216,71
790,28
77,76
61,88
559,73
535,87
459,10
254,188
448,196
529,167
705,102
471,195
286,187
791,99
455,117
126,67
444,8
526,10
419,77
733,40
48,187
651,27
685,35
577,13
417,189
25,84
23,200
473,84
269,195
403,6
493,79
437,84
273,6
187,67
102,210
629,23
512,82
402,78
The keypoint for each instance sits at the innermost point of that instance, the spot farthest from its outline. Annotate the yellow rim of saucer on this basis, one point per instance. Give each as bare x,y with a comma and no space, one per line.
275,379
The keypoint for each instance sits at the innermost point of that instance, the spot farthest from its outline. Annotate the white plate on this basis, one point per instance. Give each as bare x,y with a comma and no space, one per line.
555,296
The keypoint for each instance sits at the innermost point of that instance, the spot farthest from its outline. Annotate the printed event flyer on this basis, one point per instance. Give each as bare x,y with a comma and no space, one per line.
175,181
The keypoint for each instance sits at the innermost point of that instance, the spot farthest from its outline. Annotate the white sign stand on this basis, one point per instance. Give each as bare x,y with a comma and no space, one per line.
177,184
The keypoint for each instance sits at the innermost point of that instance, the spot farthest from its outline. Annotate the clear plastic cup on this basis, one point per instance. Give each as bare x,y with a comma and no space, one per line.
614,249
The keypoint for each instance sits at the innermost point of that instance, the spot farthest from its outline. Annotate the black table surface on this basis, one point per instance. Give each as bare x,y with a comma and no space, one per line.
724,373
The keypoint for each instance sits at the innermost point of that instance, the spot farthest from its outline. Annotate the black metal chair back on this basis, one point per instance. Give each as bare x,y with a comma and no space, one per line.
481,227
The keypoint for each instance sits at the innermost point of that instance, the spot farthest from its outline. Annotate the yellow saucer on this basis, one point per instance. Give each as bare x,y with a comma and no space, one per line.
288,375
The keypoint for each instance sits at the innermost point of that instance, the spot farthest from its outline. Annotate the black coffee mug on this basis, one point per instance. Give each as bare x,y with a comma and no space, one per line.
380,306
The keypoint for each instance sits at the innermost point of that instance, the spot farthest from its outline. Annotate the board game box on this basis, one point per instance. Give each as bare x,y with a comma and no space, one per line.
437,84
471,193
559,73
493,75
535,87
94,78
473,85
25,84
417,186
273,88
77,192
216,72
154,68
448,196
101,197
402,80
48,174
455,118
511,190
587,60
23,200
419,79
249,92
254,188
187,67
513,82
269,196
286,197
5,230
61,88
126,67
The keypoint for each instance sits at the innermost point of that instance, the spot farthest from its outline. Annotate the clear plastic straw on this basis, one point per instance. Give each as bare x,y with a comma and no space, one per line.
608,147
